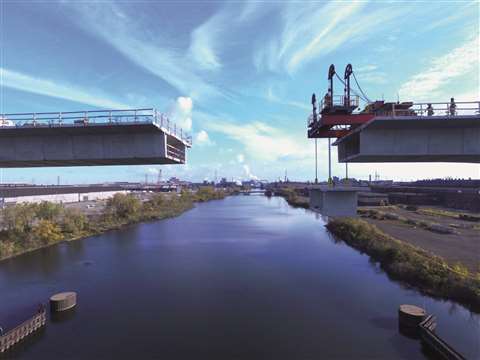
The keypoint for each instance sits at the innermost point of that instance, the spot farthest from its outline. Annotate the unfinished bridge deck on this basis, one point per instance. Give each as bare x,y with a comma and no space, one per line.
88,138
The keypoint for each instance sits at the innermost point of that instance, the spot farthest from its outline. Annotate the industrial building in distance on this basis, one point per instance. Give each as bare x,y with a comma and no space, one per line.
27,193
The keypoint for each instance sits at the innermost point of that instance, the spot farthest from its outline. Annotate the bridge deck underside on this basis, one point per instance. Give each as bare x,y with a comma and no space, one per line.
87,162
413,140
135,144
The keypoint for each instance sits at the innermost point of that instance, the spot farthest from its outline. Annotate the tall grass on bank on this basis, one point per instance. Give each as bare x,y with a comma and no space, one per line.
292,198
28,227
415,267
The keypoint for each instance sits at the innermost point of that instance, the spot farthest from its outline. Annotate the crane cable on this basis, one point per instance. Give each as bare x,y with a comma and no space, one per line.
353,73
364,98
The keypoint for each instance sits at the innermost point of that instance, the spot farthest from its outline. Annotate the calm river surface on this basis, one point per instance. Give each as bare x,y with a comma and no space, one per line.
242,278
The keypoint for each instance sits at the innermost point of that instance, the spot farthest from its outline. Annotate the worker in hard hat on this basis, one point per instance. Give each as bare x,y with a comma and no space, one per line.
327,100
453,107
430,110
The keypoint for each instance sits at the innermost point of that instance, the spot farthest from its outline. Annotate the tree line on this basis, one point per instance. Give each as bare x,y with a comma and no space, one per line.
29,226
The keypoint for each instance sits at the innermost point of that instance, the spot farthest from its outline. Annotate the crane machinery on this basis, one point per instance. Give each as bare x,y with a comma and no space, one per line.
386,132
393,131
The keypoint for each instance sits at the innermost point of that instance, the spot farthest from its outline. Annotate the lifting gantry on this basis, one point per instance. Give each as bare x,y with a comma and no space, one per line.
335,118
394,131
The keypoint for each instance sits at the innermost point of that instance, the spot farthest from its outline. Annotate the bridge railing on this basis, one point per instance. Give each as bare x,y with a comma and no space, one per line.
339,101
460,108
89,117
438,109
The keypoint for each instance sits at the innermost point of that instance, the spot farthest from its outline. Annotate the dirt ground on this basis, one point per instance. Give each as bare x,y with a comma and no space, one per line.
462,246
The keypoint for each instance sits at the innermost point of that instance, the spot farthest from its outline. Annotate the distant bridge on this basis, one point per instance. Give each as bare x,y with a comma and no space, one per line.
87,138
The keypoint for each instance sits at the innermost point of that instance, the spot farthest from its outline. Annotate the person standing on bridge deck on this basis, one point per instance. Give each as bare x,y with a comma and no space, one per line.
430,110
453,107
327,100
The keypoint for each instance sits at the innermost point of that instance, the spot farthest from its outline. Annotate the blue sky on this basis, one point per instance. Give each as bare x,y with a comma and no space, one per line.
237,75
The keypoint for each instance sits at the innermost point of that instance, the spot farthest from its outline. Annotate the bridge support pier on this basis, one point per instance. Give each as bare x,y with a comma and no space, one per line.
334,201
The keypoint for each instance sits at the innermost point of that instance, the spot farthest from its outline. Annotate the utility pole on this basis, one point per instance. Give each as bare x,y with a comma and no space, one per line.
159,176
329,163
316,162
346,170
146,179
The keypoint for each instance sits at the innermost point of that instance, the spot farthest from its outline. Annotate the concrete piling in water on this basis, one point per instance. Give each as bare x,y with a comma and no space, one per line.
409,318
63,301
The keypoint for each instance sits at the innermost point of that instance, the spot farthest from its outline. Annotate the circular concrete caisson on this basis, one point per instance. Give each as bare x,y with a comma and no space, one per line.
63,301
410,315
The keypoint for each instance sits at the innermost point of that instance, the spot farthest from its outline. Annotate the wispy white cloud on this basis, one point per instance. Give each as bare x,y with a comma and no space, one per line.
47,87
272,96
462,10
429,83
312,30
203,47
210,38
316,42
370,73
109,22
262,142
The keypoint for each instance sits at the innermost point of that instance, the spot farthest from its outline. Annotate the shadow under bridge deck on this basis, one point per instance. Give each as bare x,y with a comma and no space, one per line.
89,138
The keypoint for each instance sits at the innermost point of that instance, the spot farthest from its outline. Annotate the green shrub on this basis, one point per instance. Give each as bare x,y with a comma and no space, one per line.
402,261
123,207
46,232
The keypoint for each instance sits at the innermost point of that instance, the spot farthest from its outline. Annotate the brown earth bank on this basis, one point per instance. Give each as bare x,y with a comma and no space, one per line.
440,231
410,264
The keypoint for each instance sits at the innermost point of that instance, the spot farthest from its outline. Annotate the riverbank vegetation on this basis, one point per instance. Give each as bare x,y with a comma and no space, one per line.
409,264
31,226
292,197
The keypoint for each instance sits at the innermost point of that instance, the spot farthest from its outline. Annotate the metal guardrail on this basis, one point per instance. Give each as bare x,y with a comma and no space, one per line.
336,101
459,108
340,100
441,349
13,336
443,109
85,118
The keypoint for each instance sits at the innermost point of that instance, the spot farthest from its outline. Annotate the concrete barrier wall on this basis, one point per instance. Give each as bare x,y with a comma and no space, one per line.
63,198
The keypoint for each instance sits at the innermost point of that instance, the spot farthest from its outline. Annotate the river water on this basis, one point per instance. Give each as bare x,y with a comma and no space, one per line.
247,277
